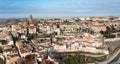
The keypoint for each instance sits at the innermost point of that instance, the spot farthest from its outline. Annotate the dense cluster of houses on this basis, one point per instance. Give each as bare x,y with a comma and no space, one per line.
40,38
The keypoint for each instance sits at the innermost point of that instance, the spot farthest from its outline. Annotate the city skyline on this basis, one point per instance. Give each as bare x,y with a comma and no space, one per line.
59,8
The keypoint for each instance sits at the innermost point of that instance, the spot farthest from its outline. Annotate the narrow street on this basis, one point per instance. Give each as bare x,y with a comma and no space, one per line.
115,54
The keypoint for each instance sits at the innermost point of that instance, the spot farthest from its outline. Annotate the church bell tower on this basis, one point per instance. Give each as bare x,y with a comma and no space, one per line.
30,19
32,28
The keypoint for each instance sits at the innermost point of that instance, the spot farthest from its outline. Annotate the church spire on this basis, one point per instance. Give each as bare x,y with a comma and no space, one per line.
30,19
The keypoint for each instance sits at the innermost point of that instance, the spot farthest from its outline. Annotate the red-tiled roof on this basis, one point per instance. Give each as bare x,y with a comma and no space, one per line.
22,51
47,62
44,62
30,61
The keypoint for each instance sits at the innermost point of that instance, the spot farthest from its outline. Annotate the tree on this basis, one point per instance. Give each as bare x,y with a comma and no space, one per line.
75,59
77,20
29,57
30,36
3,42
1,50
109,35
1,61
108,28
81,58
102,32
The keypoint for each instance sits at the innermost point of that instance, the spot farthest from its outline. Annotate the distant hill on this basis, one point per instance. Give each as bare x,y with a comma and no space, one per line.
5,21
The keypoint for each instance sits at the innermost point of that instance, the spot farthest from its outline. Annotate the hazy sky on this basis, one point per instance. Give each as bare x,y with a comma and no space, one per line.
59,8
